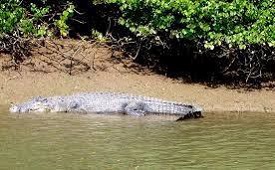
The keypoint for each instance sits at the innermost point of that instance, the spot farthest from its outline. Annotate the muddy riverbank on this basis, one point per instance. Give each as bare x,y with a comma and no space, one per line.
96,68
18,88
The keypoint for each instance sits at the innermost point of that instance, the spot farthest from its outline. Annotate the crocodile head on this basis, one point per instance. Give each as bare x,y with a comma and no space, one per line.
38,104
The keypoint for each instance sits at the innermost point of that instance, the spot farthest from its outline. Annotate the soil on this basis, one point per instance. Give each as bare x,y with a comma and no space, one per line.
62,67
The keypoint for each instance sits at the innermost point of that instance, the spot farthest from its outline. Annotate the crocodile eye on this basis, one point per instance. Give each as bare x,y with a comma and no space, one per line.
40,99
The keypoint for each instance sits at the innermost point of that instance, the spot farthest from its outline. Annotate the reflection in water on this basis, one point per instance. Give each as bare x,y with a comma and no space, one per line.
67,141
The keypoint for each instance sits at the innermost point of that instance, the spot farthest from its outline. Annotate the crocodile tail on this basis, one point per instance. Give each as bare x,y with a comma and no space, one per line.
194,115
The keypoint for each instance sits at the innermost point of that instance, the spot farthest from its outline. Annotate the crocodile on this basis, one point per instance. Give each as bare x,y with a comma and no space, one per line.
108,102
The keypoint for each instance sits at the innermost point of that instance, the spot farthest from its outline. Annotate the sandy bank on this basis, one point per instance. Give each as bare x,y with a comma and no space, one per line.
22,87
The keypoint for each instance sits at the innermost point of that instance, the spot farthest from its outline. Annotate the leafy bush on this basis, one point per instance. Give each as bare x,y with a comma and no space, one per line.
21,21
214,22
61,23
15,18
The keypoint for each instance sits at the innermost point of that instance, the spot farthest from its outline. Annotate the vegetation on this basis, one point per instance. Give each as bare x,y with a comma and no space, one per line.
242,32
21,22
228,39
237,23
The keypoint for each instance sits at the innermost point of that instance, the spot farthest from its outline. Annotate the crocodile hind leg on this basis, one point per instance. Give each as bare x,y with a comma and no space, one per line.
135,108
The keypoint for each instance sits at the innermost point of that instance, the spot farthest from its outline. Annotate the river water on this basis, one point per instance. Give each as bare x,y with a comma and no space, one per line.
71,141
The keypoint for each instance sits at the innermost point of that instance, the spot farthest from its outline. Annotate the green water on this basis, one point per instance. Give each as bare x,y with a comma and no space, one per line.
70,141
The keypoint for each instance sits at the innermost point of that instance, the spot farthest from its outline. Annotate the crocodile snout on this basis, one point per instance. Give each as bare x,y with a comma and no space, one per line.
14,109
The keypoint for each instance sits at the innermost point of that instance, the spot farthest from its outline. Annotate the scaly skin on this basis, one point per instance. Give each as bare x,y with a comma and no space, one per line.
104,103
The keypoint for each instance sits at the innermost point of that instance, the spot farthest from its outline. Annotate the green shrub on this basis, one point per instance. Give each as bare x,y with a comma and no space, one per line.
214,22
61,23
21,21
16,19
